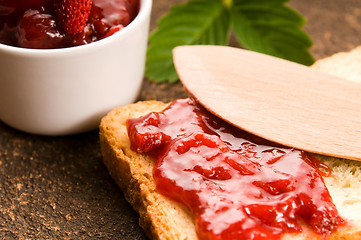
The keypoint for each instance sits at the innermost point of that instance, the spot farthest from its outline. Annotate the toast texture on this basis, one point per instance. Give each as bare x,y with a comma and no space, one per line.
345,65
162,218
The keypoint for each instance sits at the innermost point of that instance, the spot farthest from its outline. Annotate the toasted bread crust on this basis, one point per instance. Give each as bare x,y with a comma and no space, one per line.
159,216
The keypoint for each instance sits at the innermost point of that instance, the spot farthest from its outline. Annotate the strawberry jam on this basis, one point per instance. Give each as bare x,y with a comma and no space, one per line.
237,185
36,23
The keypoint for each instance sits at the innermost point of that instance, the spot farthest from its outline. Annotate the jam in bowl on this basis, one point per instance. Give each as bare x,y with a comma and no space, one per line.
67,87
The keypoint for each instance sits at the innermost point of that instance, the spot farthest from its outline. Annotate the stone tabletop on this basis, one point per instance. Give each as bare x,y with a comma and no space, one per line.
58,187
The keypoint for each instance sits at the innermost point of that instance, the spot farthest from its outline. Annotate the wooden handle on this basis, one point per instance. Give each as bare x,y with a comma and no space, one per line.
278,100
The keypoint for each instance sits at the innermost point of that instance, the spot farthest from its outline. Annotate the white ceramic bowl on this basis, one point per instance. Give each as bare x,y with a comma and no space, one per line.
67,91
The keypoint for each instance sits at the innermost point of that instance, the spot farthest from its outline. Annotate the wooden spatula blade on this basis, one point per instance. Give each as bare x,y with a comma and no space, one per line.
278,100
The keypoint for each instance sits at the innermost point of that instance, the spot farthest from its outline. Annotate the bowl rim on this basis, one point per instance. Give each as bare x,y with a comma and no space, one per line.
144,11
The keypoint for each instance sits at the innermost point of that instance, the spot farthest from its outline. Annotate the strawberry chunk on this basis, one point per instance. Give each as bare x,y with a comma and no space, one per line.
115,12
72,15
38,30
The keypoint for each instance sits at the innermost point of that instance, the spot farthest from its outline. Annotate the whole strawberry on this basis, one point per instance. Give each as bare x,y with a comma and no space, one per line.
72,15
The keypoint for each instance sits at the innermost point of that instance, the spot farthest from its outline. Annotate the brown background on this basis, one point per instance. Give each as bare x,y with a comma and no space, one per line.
58,187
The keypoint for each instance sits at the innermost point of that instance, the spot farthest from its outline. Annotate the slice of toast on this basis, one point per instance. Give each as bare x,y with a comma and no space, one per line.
162,218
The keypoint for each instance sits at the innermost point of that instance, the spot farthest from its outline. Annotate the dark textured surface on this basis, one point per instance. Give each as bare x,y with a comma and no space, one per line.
58,187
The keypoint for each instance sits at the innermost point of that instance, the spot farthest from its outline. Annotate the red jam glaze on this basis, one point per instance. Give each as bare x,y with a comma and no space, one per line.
237,185
31,23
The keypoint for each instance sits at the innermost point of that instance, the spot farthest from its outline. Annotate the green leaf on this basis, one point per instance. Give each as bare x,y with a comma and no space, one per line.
266,26
270,27
196,22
